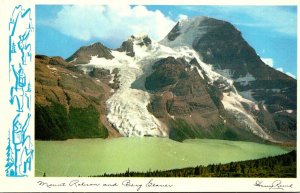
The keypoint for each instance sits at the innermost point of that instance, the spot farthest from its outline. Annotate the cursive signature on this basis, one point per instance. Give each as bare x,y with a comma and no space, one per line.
50,185
275,185
128,183
138,185
149,184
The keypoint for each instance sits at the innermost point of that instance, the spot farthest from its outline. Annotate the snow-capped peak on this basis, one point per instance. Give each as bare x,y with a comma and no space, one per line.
137,36
185,31
211,47
141,39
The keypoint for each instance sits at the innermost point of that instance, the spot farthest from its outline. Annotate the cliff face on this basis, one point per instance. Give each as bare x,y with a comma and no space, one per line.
221,45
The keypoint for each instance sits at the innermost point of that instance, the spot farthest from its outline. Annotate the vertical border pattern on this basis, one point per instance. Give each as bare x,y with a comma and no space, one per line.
19,150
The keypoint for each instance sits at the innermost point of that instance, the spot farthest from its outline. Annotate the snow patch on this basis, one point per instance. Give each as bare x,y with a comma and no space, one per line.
265,108
189,29
225,72
274,90
244,81
172,116
74,60
268,61
200,72
52,68
232,103
290,111
111,81
247,95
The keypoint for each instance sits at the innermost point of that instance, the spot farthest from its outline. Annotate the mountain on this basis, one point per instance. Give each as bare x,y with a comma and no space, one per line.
221,45
203,80
84,54
68,103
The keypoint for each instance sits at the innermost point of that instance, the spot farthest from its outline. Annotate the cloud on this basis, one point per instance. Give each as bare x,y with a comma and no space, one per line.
268,61
113,22
279,19
182,17
291,75
287,73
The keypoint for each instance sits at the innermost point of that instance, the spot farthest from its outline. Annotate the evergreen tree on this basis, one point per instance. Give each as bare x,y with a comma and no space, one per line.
9,158
238,168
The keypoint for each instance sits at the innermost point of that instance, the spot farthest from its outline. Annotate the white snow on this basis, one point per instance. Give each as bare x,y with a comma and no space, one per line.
127,107
189,29
172,116
111,81
244,81
247,95
199,72
51,68
74,60
274,90
232,103
265,108
225,72
288,111
93,43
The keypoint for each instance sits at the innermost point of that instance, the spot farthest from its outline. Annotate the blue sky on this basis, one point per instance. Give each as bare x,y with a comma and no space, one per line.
61,30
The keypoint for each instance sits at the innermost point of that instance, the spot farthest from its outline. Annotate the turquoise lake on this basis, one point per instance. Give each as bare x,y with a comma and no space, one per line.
86,157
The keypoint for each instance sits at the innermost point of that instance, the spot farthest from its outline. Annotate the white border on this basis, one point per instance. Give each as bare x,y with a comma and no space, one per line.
30,184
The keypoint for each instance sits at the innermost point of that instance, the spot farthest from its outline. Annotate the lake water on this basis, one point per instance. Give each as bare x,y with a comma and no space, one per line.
87,157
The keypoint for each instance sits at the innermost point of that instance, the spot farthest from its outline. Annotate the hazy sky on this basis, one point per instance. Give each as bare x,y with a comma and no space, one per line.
61,30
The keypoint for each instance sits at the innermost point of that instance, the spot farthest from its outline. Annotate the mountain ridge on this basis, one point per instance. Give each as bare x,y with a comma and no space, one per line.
200,81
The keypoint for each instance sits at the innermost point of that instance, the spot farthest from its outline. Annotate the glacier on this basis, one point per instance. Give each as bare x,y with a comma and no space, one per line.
127,107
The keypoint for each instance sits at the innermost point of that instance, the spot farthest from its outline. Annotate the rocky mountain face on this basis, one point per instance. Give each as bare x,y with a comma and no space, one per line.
220,44
127,46
69,103
203,80
85,53
180,92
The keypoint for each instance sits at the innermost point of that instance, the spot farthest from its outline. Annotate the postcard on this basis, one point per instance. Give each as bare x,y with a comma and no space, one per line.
149,96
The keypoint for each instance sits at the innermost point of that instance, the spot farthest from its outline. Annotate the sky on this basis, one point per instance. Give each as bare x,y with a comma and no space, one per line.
62,29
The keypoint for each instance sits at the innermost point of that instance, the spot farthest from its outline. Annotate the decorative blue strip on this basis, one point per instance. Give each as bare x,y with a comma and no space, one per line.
19,151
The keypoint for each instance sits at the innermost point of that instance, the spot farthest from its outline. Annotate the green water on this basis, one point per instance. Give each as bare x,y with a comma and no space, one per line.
87,157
